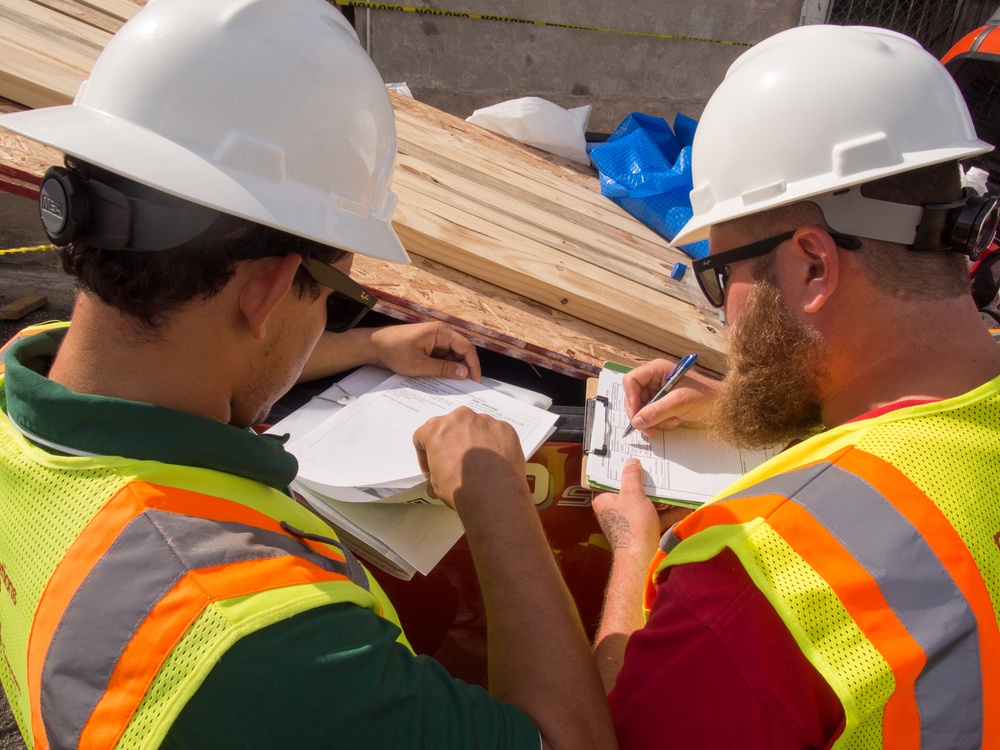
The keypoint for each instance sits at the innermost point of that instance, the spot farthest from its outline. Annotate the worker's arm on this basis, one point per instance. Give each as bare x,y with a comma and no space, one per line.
539,659
416,349
632,526
687,404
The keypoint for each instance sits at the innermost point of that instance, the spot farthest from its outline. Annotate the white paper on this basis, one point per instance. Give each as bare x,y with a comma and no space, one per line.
369,443
399,537
682,464
407,536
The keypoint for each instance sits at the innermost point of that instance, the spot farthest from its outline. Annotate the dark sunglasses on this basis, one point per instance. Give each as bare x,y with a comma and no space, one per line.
713,271
347,303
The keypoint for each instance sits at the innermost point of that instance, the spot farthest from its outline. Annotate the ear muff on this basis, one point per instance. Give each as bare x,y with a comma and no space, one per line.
976,226
115,214
966,227
63,206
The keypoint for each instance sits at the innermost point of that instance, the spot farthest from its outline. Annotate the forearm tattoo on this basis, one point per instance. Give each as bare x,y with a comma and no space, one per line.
616,528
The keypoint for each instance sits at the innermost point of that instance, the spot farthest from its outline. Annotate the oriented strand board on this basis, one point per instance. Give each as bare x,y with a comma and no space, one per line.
22,162
495,318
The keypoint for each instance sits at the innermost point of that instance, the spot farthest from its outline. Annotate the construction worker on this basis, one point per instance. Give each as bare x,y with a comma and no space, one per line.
845,593
160,589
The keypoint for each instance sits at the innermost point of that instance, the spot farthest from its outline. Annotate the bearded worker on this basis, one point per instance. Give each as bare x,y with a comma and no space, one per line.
845,593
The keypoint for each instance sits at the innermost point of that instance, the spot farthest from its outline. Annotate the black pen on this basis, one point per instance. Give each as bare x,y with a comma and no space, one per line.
676,374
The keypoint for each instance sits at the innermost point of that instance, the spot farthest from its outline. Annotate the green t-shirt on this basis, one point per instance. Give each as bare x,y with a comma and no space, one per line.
331,676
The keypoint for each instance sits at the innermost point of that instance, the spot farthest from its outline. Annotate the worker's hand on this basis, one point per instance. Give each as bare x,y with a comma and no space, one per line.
628,518
470,459
685,405
426,349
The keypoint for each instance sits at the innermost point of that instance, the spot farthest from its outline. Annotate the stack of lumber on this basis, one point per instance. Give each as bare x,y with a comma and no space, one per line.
515,246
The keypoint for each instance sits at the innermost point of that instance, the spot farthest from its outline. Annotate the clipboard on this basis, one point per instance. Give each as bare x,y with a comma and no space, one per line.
595,412
683,466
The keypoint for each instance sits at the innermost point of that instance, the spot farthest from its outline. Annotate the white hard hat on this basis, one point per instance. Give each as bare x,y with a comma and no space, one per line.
817,109
269,110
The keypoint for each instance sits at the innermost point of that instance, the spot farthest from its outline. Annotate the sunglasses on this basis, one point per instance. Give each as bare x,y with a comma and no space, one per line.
712,272
347,303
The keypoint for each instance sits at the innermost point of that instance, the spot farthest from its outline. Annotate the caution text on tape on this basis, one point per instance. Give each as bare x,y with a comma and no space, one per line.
508,19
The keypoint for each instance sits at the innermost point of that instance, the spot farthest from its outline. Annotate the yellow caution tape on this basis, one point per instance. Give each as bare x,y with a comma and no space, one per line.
35,249
507,19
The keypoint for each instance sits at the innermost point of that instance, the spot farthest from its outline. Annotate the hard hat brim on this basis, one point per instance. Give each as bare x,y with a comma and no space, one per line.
697,228
140,154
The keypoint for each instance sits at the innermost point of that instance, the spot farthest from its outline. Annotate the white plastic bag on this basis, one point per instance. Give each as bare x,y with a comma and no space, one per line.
400,88
539,123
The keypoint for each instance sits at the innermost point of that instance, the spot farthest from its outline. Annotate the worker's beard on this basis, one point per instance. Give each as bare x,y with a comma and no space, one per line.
771,393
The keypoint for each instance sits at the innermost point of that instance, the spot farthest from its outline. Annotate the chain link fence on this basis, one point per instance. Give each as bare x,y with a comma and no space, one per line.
936,24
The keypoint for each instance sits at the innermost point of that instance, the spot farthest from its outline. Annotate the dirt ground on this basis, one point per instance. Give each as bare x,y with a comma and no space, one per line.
23,274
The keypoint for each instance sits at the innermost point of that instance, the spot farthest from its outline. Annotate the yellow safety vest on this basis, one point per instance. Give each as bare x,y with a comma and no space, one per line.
877,544
131,579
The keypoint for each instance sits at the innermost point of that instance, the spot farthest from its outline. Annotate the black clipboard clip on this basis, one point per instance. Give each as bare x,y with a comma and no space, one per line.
588,424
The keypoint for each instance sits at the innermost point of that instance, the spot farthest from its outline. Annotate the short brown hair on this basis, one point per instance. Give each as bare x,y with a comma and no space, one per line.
889,266
148,286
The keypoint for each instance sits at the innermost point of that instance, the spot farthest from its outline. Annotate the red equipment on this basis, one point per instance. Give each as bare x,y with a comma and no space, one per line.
974,63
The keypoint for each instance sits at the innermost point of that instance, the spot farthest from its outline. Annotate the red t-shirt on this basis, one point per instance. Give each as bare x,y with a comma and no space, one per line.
715,667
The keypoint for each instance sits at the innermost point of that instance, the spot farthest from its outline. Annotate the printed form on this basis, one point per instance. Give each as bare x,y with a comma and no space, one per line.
369,443
683,465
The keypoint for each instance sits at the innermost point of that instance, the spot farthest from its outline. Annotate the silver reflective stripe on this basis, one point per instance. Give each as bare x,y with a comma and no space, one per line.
918,588
358,574
669,540
152,553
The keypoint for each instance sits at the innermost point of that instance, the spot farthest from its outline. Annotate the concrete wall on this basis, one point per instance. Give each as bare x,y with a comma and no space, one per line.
460,64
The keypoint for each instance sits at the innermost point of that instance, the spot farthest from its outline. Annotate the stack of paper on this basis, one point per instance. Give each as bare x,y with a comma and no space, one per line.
358,467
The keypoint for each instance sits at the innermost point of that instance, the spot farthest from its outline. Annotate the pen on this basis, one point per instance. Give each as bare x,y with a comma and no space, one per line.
676,374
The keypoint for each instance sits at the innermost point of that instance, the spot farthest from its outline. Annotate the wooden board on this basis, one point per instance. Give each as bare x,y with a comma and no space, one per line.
528,222
44,53
550,260
537,225
583,290
495,318
85,14
122,10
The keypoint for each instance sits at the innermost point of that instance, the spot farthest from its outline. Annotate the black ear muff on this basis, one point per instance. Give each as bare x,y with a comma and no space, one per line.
966,227
115,213
63,206
976,226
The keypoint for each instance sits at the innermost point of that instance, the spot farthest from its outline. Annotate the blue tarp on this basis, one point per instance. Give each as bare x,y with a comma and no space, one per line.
645,168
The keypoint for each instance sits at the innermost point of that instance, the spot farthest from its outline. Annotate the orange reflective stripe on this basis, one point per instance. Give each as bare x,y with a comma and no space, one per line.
170,619
94,541
861,596
86,549
904,635
649,592
740,510
949,546
854,586
725,513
